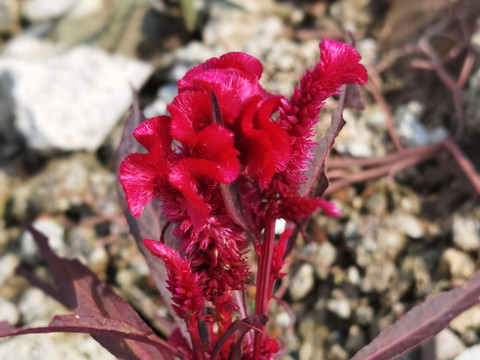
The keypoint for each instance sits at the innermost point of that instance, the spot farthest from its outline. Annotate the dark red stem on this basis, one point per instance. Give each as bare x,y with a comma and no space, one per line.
197,347
264,279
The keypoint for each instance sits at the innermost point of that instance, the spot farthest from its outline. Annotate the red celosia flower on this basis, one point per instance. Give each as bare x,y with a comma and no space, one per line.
224,128
187,294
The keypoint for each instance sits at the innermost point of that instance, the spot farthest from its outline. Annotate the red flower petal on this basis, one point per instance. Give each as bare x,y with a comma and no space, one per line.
296,208
190,112
246,65
339,64
214,157
154,132
143,178
265,146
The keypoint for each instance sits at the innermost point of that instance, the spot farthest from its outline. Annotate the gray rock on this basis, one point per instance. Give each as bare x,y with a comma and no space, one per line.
415,269
28,47
473,111
164,97
325,254
54,233
353,275
37,308
235,29
73,100
456,263
340,307
411,130
469,320
9,17
364,314
189,56
355,139
41,10
377,241
8,311
356,339
445,346
336,352
377,204
466,232
115,26
352,15
310,351
4,192
410,225
469,354
378,277
302,282
53,347
8,263
64,183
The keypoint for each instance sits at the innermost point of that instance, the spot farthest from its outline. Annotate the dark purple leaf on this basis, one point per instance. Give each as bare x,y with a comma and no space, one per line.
152,222
422,322
233,204
322,149
103,328
229,192
215,107
353,97
238,329
77,288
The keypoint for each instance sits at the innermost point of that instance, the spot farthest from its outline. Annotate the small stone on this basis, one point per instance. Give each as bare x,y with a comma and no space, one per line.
410,128
4,193
54,233
377,203
340,307
378,277
353,275
336,352
98,261
64,183
326,255
283,320
27,47
466,233
458,264
165,96
469,354
364,315
54,347
410,225
8,312
356,339
302,282
42,10
37,308
445,346
468,320
310,351
8,264
9,16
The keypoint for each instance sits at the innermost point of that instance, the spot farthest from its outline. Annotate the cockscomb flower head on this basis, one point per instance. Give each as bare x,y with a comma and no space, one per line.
228,160
187,294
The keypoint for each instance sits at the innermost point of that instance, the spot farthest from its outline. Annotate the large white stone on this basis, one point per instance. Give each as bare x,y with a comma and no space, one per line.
72,101
41,10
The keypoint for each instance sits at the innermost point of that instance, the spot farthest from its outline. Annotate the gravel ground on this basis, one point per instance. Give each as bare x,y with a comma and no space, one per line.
66,73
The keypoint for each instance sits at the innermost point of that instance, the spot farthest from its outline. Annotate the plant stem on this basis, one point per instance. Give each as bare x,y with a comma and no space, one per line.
264,279
197,347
